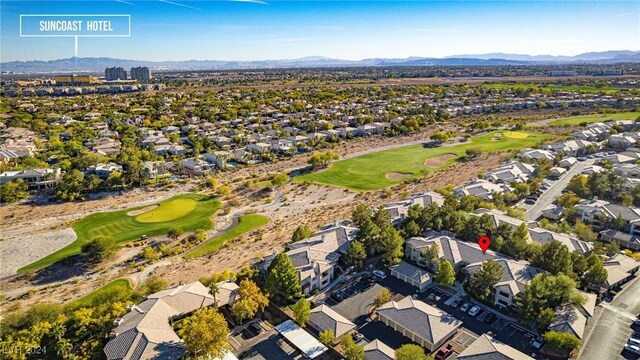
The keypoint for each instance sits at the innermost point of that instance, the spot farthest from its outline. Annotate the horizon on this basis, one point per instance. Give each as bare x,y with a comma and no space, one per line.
353,30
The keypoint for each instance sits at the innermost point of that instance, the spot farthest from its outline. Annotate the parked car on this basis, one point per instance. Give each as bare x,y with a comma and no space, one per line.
357,337
489,318
529,201
633,341
379,274
464,307
456,302
537,342
636,322
632,349
474,311
582,158
545,186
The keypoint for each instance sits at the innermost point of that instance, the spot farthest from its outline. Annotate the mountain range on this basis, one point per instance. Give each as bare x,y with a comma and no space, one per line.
93,64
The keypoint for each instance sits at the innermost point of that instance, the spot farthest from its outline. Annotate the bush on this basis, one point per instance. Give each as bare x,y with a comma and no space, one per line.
99,249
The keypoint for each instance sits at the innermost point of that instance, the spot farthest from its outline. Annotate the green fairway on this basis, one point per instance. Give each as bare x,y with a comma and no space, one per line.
123,227
629,115
113,289
609,90
246,223
381,169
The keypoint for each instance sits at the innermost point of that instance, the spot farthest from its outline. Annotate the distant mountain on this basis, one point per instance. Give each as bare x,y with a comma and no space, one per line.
97,65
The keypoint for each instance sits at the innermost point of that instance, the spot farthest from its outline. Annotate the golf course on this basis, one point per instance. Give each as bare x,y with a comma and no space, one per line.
384,168
188,212
575,120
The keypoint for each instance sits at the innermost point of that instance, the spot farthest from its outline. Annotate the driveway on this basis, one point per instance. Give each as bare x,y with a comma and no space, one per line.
549,196
612,326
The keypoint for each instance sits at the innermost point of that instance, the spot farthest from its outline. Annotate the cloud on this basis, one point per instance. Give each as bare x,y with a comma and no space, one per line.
250,1
178,4
125,2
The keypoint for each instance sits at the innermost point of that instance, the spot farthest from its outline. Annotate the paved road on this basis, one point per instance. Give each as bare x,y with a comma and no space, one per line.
612,326
549,196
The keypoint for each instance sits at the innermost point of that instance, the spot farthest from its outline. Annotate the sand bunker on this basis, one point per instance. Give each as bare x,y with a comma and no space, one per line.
21,251
143,210
396,176
439,160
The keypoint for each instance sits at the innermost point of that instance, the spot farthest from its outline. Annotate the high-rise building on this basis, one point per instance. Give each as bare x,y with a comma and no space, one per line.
115,73
73,79
141,73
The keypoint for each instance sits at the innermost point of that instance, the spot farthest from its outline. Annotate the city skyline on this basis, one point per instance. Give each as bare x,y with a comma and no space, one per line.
354,30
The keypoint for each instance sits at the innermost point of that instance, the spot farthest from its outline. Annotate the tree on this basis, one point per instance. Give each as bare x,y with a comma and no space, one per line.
516,245
282,278
445,275
302,311
383,297
579,263
568,199
483,280
205,333
595,274
391,243
13,191
99,249
251,300
327,336
323,159
72,186
555,258
544,291
411,352
356,253
584,232
561,340
153,284
301,232
473,152
432,255
214,289
279,179
361,213
578,185
351,350
175,233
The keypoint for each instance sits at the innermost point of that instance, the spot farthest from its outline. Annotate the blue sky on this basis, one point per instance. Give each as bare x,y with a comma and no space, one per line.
257,30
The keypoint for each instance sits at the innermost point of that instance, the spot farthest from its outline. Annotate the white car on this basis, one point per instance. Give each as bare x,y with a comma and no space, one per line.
379,274
632,348
634,342
474,311
464,307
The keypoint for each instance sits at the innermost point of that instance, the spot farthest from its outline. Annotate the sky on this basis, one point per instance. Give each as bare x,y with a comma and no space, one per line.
352,30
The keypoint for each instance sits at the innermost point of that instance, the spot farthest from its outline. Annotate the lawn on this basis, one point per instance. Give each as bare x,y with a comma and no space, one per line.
246,223
609,90
381,169
575,120
188,211
118,288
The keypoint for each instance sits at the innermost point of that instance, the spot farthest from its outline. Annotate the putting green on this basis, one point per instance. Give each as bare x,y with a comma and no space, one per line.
188,212
168,211
381,169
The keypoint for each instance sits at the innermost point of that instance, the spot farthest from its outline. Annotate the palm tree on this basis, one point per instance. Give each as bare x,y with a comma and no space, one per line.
213,290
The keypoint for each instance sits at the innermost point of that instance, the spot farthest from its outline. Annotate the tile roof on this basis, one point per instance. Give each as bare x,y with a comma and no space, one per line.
325,318
488,348
377,350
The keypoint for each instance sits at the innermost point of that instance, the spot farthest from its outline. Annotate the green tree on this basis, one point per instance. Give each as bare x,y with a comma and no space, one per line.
411,352
445,275
302,311
327,337
483,280
555,258
99,249
153,284
175,233
431,254
71,187
516,245
323,159
584,232
356,253
383,297
279,179
392,244
13,191
351,350
301,232
562,340
282,278
595,274
214,289
205,334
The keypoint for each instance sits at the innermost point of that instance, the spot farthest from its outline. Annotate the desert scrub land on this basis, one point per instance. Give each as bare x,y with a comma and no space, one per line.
576,120
188,212
385,168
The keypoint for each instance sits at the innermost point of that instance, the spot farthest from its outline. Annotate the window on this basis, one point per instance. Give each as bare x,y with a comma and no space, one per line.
502,302
504,294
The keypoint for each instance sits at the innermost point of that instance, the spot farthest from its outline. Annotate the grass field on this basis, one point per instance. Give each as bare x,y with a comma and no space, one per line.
609,90
119,287
246,223
381,169
629,115
123,227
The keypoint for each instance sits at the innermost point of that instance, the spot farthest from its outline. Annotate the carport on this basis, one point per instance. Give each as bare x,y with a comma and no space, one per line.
302,340
412,275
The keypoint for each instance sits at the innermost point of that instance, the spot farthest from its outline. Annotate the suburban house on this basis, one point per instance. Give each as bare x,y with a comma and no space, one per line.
399,210
324,318
377,350
621,141
486,347
422,323
499,217
197,167
317,257
536,154
103,170
600,214
153,169
572,318
509,172
570,147
567,162
620,269
516,275
34,178
544,236
145,331
480,188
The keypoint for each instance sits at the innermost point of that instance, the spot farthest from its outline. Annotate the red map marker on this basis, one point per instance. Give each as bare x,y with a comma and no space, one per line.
484,243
